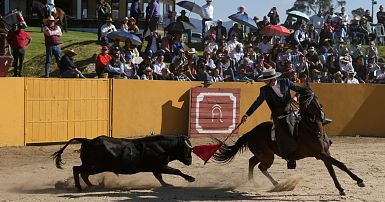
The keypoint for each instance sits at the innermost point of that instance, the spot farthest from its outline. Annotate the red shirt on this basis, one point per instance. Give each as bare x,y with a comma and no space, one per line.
17,39
102,60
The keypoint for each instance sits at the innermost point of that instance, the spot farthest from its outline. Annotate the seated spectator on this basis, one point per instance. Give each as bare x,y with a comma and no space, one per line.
158,66
67,66
143,65
132,27
115,67
315,76
302,65
303,78
202,74
241,76
350,78
325,77
381,75
220,30
232,43
130,69
124,26
361,69
101,62
209,62
372,68
226,68
107,28
237,54
178,43
147,75
264,46
181,56
346,65
167,75
153,42
181,75
211,45
217,77
371,51
237,31
167,46
193,55
313,59
338,77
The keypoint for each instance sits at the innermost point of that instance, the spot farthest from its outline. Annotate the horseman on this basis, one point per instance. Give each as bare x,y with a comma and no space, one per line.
50,7
276,92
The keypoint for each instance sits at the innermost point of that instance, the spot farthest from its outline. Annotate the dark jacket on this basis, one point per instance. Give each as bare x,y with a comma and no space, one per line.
66,63
149,40
223,31
278,105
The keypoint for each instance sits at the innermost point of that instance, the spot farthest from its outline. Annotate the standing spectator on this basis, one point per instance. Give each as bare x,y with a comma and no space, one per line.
300,37
67,66
330,14
235,30
208,14
52,35
101,62
263,23
184,18
220,30
107,28
381,15
317,21
344,16
135,11
19,41
154,14
104,11
368,16
289,22
313,36
274,17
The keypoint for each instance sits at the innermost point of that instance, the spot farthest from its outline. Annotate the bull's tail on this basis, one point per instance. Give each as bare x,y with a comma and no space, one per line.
57,155
227,153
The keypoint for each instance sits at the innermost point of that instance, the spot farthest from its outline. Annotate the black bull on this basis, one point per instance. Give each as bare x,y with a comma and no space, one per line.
130,156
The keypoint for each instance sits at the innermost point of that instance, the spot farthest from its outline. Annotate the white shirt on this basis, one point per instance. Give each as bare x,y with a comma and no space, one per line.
345,18
237,56
211,46
264,47
158,67
351,81
317,21
232,44
277,90
50,2
346,67
105,29
207,11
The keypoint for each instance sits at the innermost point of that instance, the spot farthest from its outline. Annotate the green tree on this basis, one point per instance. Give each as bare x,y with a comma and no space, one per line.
311,6
359,12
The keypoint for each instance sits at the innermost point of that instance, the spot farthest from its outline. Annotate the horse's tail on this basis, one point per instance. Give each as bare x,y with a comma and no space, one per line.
57,155
227,153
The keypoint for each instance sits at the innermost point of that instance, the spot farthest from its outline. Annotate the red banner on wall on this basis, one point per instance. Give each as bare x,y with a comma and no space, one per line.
213,111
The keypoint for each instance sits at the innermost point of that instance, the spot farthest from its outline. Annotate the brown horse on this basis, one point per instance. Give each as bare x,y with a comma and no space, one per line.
42,12
312,142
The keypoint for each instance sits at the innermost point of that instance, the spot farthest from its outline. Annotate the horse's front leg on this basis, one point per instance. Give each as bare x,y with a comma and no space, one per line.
335,180
343,167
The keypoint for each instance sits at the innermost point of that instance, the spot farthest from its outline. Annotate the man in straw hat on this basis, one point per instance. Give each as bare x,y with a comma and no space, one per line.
67,66
276,92
107,28
52,35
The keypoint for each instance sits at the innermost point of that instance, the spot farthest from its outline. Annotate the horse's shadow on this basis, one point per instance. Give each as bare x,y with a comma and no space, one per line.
170,194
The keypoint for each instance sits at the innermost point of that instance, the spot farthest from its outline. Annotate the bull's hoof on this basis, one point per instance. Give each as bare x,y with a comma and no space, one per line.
361,184
190,179
342,193
79,189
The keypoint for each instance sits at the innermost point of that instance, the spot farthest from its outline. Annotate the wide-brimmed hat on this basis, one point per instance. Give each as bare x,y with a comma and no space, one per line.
183,12
352,72
70,52
269,74
192,51
341,40
50,18
109,19
337,74
311,49
148,69
132,19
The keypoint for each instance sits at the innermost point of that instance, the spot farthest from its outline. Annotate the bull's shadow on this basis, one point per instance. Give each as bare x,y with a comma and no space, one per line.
172,116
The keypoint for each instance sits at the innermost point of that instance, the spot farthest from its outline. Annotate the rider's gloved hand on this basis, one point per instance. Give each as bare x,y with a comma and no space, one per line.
244,118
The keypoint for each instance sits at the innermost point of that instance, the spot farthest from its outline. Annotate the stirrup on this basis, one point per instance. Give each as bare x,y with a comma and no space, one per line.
326,121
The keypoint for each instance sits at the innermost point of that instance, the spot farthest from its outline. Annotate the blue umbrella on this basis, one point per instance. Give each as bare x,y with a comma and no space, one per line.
123,36
299,14
243,20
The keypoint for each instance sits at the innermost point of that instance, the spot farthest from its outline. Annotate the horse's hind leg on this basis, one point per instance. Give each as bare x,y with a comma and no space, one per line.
266,164
335,180
343,167
253,161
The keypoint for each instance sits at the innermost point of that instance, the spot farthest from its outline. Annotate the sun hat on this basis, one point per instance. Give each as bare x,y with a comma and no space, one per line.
337,74
311,49
192,51
148,69
268,74
352,72
109,19
50,18
132,19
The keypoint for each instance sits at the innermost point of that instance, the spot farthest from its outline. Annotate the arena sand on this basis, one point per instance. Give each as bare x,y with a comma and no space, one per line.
29,174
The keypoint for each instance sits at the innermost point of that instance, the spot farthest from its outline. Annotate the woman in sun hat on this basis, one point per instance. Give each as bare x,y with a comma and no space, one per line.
276,92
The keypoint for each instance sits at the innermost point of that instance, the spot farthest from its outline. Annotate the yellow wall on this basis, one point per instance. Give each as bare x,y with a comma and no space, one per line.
355,109
12,111
142,107
60,109
54,110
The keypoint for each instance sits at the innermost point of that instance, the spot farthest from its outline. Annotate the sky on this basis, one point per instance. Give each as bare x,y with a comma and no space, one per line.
224,8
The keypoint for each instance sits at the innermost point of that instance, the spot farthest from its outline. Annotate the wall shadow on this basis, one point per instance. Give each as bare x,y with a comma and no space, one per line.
172,115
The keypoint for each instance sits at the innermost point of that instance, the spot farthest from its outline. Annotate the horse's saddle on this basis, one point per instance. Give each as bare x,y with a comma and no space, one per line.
292,120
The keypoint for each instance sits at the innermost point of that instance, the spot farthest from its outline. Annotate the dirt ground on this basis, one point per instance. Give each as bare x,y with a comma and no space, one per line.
29,174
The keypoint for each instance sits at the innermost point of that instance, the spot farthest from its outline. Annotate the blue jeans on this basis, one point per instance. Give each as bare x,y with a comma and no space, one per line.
49,50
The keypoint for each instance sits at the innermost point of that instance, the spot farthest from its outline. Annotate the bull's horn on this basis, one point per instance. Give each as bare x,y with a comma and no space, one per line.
188,144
